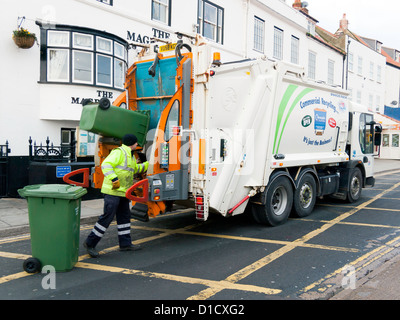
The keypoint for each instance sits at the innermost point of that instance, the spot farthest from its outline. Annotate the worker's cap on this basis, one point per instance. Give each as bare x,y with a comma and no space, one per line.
129,139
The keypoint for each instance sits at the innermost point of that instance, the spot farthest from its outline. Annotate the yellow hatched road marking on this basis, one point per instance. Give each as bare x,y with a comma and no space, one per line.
240,238
388,247
14,255
245,272
370,225
369,208
166,232
14,276
220,285
231,281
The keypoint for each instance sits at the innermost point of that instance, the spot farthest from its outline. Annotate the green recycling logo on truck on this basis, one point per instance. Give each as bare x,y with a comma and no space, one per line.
282,107
321,114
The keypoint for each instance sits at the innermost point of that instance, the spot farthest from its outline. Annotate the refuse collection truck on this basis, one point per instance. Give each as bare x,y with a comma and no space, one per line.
252,135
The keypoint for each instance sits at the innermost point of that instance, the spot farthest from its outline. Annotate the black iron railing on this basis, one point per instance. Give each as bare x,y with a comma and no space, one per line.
49,152
4,150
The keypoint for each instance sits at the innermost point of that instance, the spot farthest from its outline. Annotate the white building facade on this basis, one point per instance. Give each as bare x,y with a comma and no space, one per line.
392,94
366,74
82,52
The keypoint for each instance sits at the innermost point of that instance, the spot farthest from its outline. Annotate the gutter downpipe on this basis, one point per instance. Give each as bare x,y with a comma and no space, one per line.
246,4
347,63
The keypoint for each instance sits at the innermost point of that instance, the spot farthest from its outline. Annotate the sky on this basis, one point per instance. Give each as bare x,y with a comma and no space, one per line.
375,19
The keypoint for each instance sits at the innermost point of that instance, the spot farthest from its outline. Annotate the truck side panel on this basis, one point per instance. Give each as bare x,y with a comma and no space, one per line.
262,118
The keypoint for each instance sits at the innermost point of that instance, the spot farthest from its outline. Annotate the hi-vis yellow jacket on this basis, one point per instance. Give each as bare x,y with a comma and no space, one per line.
122,165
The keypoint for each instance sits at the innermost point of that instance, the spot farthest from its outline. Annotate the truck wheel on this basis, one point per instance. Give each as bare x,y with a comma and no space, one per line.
355,186
278,204
305,196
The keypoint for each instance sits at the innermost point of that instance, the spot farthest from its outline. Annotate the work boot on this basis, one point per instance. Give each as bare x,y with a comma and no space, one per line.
91,251
130,248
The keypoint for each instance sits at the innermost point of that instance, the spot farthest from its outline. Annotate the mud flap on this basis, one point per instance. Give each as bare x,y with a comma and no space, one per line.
139,212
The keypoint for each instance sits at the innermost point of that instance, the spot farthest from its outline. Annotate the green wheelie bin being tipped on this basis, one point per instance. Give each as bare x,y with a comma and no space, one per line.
110,121
54,220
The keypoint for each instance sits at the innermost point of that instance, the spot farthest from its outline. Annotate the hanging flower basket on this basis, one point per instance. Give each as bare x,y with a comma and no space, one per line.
23,38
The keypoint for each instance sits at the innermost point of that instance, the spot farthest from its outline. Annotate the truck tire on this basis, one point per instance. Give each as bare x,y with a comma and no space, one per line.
278,204
355,186
305,196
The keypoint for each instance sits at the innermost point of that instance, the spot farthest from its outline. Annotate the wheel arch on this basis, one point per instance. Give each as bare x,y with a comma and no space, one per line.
304,171
360,165
275,175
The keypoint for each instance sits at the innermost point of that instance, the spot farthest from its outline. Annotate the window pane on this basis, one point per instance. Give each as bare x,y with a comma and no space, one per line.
278,44
371,70
360,65
294,58
173,121
395,140
65,136
351,63
209,31
119,73
106,1
103,70
379,74
365,130
210,13
258,34
211,21
385,140
220,19
82,66
362,133
83,41
331,72
160,10
311,64
58,39
119,50
200,9
57,65
369,139
104,45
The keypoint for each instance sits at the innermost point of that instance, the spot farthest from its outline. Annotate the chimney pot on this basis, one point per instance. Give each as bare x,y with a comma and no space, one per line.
297,4
344,23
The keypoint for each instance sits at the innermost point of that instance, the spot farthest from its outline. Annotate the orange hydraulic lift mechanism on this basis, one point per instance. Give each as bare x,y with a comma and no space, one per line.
139,191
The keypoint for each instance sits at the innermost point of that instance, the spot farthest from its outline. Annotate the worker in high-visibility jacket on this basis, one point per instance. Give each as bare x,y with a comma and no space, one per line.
118,169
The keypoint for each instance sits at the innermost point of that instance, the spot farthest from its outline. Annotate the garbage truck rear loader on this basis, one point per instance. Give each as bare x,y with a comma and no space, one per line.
252,134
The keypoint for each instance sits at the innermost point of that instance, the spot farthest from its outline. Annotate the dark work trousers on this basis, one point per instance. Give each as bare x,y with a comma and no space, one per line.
113,206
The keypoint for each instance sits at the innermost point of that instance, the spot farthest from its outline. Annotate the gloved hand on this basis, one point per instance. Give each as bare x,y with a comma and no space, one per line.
142,157
115,184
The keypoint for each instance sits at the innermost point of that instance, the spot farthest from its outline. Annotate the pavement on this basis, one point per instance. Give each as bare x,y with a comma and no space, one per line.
383,283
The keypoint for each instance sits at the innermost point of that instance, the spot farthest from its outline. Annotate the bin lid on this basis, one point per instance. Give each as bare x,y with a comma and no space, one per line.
57,191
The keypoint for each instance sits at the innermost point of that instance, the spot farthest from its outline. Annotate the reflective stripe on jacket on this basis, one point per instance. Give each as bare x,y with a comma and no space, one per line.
122,165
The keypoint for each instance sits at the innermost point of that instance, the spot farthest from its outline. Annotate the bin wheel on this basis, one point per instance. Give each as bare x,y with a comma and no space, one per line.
32,265
104,104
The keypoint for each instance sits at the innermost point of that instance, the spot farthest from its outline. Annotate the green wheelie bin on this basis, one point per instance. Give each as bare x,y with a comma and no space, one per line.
54,220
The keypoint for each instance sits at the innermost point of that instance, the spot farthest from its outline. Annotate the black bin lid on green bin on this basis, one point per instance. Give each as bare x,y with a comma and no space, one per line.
56,191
